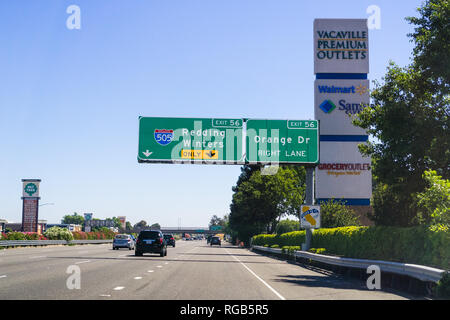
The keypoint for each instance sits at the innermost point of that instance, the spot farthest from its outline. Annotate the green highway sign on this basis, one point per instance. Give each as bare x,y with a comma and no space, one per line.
191,140
282,141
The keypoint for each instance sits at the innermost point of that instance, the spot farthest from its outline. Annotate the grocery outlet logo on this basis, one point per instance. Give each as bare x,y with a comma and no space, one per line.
327,106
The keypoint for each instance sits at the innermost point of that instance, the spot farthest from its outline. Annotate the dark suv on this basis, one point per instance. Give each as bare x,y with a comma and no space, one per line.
215,240
151,241
169,240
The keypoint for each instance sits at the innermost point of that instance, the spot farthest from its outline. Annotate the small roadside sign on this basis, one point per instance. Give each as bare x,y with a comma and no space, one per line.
310,217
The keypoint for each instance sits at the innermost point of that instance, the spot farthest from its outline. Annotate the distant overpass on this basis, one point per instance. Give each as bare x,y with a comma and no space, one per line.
200,230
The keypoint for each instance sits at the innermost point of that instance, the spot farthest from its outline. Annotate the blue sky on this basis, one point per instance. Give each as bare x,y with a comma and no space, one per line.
70,99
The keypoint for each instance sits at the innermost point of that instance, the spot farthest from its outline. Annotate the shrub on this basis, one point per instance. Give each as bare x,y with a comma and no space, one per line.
32,235
290,249
275,246
15,236
79,235
442,289
287,225
334,213
57,233
317,250
434,202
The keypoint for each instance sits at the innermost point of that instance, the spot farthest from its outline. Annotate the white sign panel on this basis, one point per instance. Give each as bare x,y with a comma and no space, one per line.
341,46
30,188
336,102
310,217
343,172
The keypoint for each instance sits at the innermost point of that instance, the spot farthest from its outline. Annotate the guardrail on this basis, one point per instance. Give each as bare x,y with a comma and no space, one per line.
16,243
419,272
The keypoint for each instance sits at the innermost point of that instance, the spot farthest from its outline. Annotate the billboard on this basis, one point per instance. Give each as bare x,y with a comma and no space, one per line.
341,46
123,221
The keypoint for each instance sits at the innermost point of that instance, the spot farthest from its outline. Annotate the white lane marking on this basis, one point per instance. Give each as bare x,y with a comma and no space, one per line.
150,271
159,266
37,257
105,295
257,277
3,276
118,288
166,263
80,262
137,278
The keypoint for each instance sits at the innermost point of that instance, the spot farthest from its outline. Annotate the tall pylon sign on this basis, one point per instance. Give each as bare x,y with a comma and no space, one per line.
30,204
341,91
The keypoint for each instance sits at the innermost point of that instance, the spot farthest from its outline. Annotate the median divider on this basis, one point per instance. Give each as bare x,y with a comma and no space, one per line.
422,273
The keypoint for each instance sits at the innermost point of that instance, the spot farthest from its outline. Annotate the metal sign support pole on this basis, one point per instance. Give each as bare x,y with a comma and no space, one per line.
309,200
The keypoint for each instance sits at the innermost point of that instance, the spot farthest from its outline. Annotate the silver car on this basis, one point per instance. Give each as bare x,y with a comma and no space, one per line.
123,241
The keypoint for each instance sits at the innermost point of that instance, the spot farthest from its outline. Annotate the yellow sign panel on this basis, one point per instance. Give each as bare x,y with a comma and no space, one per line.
199,154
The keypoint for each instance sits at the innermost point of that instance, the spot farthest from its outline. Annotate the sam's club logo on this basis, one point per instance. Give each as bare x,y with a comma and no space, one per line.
164,136
327,106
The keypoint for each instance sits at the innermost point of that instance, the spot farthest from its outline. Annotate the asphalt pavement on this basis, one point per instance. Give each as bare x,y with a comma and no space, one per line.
193,270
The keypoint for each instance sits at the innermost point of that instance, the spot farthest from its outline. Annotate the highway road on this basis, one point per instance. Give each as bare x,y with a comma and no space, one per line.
192,270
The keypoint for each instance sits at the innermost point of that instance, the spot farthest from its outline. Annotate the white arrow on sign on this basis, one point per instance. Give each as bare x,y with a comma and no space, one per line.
147,153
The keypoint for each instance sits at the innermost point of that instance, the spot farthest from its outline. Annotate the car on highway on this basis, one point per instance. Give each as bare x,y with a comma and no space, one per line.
170,240
123,241
215,240
151,241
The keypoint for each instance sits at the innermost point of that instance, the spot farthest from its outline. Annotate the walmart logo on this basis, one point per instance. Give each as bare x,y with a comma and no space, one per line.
343,90
327,106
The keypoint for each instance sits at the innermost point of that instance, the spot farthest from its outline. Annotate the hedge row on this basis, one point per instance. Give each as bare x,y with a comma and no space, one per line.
22,236
98,235
294,238
416,245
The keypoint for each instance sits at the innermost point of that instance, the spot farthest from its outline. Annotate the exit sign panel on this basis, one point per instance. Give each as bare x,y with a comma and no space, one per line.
204,140
282,141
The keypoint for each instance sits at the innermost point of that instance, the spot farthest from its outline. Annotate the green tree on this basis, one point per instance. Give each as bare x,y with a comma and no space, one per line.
287,225
260,201
216,221
116,221
140,225
409,120
434,202
128,226
334,213
155,226
73,219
